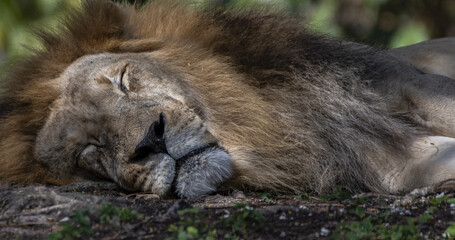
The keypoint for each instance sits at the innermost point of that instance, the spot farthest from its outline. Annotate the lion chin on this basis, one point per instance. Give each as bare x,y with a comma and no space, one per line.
170,98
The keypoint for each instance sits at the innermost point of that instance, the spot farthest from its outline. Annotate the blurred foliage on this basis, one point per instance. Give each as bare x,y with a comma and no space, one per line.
18,18
389,23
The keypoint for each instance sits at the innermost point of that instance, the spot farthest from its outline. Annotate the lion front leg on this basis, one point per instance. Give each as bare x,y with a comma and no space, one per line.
428,99
420,80
431,163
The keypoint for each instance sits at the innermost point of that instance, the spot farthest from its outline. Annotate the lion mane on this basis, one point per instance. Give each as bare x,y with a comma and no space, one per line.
306,118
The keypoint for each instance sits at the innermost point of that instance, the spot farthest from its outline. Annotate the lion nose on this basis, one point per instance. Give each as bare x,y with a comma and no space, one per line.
154,140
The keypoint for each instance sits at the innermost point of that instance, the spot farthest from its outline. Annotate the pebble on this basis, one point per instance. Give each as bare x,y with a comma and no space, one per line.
302,207
238,194
396,210
440,195
325,232
283,217
249,208
282,234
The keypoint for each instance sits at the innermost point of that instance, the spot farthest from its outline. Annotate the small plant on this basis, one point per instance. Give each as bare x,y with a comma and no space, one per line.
127,214
266,197
340,194
79,225
245,218
106,212
438,200
376,227
109,211
190,226
76,228
303,196
357,210
450,231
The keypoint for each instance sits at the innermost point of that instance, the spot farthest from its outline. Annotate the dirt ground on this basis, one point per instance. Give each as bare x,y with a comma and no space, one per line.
104,211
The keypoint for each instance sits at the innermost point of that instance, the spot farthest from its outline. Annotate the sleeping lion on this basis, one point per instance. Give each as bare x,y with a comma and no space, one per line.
171,98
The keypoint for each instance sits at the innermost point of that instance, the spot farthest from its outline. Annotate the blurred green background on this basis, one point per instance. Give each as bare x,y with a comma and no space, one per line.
389,23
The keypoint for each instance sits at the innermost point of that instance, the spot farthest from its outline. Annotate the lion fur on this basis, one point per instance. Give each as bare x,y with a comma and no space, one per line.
305,119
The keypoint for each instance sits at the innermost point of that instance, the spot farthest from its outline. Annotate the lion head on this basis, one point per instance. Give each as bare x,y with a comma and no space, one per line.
125,117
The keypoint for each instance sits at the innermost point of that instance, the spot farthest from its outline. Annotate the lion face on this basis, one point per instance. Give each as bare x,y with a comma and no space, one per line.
126,117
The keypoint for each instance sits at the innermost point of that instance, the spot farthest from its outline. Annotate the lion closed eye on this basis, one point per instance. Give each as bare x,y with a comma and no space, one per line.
169,98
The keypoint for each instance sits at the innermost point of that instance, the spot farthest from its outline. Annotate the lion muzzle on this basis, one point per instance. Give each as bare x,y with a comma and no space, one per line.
153,142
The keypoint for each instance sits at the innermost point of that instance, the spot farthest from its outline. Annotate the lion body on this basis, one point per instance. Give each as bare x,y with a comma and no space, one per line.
294,111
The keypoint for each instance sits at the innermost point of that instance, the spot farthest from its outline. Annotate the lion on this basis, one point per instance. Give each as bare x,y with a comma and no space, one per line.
170,98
